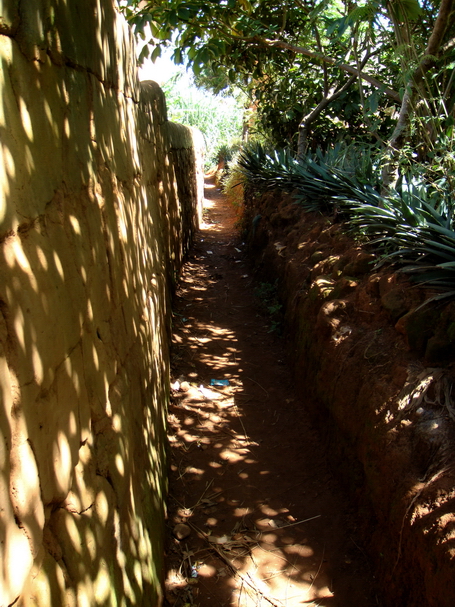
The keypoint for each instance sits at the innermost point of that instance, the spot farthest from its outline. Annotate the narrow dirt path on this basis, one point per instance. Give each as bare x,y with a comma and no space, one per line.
267,522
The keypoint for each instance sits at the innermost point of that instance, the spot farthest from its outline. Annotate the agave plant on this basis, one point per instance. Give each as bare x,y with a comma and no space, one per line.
316,184
412,227
412,234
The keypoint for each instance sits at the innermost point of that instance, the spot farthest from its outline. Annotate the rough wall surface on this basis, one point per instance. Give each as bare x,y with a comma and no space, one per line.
93,227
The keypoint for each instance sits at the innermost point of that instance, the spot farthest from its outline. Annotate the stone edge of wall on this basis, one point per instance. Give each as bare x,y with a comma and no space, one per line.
112,351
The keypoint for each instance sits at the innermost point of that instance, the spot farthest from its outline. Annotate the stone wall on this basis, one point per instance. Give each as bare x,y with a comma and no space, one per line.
94,221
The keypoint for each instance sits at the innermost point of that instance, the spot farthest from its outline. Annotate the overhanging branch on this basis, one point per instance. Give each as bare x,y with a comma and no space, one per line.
342,66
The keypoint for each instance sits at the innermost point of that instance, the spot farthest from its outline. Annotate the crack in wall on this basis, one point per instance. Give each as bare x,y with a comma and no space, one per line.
79,382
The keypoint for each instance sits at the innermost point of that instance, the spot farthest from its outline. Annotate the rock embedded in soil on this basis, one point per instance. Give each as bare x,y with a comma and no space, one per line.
181,531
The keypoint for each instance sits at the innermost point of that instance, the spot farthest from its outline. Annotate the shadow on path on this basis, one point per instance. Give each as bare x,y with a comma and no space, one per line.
267,520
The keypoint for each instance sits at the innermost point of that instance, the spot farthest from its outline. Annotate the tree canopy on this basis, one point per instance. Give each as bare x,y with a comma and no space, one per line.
320,69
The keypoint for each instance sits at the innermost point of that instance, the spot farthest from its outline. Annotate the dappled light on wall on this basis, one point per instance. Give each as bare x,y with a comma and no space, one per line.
93,231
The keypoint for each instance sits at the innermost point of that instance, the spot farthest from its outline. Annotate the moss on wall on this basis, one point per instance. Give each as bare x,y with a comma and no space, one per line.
93,226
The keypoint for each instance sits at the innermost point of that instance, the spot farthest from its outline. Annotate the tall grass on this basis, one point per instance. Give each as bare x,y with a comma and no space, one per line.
220,119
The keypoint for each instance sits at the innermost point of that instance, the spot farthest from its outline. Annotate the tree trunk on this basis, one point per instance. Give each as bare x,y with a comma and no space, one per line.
443,21
306,122
305,127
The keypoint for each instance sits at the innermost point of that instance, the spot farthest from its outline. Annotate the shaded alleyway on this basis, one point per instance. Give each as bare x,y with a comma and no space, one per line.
268,522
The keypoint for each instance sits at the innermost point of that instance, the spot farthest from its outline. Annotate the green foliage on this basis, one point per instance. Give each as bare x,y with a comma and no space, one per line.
210,32
287,57
231,42
415,236
267,293
414,227
220,119
225,153
232,182
322,179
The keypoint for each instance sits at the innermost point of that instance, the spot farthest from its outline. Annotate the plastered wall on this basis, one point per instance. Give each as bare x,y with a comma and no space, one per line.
98,200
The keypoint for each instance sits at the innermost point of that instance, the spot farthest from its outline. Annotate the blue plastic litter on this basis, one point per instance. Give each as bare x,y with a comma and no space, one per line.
219,382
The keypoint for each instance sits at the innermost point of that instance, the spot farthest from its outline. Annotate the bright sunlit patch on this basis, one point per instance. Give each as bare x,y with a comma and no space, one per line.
202,340
215,465
299,549
102,584
269,538
138,573
232,456
58,265
20,256
127,589
89,309
73,533
119,464
41,258
193,470
8,162
38,369
117,423
83,599
102,507
49,116
269,511
90,543
189,438
68,366
211,521
76,225
3,196
145,547
26,119
72,424
108,402
17,550
239,512
96,361
62,460
207,570
19,327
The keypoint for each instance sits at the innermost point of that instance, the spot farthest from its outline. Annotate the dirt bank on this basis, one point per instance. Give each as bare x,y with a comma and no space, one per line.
378,372
269,519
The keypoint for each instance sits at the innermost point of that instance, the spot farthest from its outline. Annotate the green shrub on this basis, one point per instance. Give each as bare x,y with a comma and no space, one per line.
412,227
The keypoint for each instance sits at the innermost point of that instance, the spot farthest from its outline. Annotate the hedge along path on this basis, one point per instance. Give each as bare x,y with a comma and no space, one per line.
255,516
